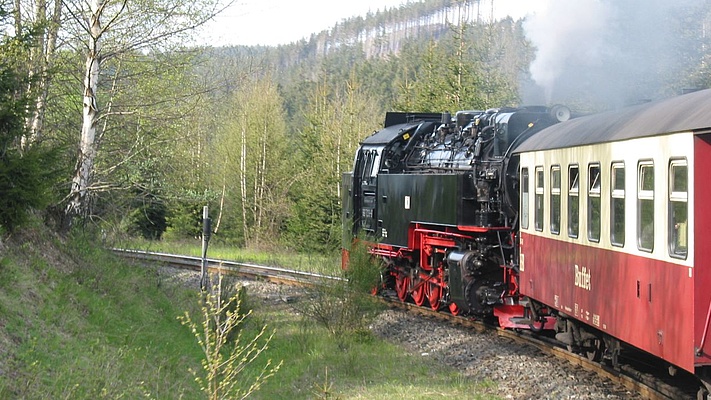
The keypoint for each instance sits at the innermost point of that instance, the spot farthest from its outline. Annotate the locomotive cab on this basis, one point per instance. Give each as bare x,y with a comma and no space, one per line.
380,153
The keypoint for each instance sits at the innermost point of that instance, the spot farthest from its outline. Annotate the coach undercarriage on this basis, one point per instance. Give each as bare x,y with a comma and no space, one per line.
580,338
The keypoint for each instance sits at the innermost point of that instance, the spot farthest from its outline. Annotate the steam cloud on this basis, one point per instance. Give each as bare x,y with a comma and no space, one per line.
609,53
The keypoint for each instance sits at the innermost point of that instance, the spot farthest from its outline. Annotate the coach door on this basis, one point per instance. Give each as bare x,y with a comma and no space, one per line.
701,215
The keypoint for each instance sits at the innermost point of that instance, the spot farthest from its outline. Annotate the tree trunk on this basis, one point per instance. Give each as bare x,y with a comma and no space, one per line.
222,206
262,177
243,180
78,196
18,17
42,60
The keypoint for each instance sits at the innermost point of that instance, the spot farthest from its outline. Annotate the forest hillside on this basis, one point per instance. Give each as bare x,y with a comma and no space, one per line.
113,122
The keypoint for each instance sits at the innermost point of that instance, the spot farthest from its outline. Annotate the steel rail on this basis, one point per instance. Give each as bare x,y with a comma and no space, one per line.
244,269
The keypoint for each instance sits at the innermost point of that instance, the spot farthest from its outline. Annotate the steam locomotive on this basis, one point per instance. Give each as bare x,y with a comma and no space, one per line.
587,228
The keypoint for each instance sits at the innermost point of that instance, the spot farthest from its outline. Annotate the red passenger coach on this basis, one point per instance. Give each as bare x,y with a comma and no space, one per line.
615,213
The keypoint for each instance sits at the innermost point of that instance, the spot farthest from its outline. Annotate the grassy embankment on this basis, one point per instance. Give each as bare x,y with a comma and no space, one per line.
76,323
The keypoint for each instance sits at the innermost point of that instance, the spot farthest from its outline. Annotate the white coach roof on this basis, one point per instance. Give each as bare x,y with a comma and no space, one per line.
689,112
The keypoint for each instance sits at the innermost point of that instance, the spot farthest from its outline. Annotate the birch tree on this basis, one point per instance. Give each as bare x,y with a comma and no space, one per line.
43,19
256,166
112,28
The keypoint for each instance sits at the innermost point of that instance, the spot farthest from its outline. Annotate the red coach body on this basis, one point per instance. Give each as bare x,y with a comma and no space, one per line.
614,221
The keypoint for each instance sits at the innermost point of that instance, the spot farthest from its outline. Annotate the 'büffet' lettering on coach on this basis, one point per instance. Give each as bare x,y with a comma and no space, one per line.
582,277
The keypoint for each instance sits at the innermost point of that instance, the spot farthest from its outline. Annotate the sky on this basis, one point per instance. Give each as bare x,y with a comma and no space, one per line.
274,22
611,52
603,49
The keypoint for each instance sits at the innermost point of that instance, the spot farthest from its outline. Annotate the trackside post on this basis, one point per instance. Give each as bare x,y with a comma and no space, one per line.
205,239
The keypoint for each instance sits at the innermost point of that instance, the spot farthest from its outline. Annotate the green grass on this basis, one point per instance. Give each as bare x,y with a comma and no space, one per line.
339,358
357,366
325,264
78,323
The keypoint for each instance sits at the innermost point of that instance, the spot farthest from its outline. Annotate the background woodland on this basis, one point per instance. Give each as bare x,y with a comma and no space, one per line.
107,118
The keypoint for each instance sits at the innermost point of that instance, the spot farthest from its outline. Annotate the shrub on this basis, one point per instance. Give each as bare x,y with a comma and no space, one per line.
345,305
226,354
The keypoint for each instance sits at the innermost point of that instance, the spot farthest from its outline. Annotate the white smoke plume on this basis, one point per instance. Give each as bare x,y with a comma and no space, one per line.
607,53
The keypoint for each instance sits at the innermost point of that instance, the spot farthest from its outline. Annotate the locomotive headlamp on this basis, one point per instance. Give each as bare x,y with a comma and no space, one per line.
560,113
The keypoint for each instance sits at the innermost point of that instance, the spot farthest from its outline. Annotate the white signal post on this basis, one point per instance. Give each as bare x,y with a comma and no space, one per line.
205,240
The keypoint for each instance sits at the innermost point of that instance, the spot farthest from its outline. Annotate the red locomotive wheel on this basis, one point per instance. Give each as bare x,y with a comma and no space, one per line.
418,293
434,295
453,308
402,286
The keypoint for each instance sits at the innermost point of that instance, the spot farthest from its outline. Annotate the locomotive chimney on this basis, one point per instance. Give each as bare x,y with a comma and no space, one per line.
446,118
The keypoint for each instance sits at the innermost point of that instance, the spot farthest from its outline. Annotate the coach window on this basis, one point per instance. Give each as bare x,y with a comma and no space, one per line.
538,206
678,208
645,206
555,199
617,204
524,198
594,202
573,200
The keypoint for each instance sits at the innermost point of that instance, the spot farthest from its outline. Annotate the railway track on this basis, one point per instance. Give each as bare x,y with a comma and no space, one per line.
646,384
243,269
